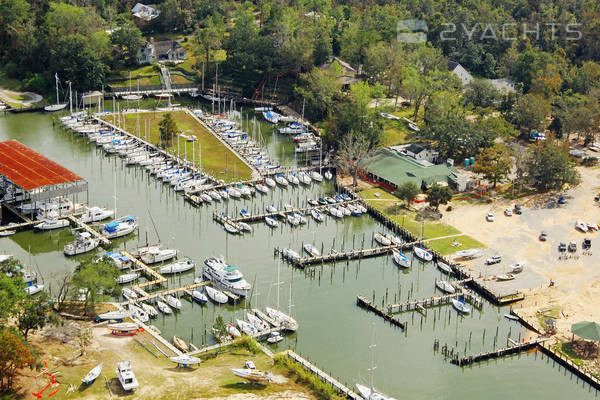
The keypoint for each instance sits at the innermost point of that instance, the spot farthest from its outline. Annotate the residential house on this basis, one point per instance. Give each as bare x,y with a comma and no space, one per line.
458,70
418,152
166,50
349,74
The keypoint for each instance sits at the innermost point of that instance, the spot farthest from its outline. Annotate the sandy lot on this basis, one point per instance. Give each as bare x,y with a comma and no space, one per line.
577,278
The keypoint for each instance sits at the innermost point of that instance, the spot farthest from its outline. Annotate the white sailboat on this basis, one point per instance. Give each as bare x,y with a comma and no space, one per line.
422,254
400,259
58,106
126,278
369,393
382,240
216,295
92,375
178,267
445,286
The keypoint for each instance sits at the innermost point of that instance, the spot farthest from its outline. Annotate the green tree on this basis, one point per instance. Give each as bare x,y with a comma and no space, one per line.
14,355
549,168
94,279
209,37
530,112
167,127
577,114
11,294
127,39
438,194
494,163
408,191
481,93
34,314
319,88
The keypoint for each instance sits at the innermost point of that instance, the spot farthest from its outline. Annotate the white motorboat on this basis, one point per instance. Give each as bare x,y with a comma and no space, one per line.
328,175
82,244
461,306
155,254
163,307
198,296
92,375
28,276
445,286
291,254
121,261
173,301
126,278
126,376
316,176
226,277
444,267
94,214
582,226
52,224
119,228
285,320
400,259
246,327
505,277
177,267
252,375
185,360
150,310
216,295
129,294
33,289
382,240
272,222
280,180
7,232
422,254
271,116
274,337
257,322
270,182
472,253
4,257
233,331
114,315
311,250
517,267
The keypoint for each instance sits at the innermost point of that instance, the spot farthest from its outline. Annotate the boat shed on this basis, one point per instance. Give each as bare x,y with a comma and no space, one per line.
26,175
392,168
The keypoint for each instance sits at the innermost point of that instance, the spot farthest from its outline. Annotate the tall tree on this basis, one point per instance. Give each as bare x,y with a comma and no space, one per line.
127,39
549,168
210,37
494,163
481,93
353,149
94,279
167,127
14,355
408,191
319,88
34,314
531,111
438,194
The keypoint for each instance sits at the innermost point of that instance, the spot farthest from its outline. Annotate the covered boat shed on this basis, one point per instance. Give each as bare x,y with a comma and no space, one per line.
26,175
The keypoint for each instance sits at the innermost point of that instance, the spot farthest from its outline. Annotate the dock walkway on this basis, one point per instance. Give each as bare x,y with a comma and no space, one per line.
103,239
434,301
155,277
284,213
364,303
497,353
166,292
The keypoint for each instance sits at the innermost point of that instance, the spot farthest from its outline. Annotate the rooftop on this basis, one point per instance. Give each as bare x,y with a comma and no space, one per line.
29,169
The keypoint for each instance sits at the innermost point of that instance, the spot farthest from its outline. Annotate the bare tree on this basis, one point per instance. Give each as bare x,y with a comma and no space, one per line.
352,150
64,285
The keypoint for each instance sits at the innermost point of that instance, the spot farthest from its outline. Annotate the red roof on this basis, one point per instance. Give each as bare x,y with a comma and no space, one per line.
29,169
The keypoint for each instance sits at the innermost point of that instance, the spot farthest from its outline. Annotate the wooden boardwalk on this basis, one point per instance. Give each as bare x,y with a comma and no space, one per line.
154,277
563,360
342,389
223,219
434,302
364,303
283,213
154,295
103,239
497,353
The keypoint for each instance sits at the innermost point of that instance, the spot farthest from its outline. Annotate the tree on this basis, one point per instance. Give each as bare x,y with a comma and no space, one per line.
34,314
94,279
494,163
210,37
481,93
530,112
353,149
84,339
408,191
167,127
549,168
64,285
319,88
577,114
128,39
14,355
438,194
11,294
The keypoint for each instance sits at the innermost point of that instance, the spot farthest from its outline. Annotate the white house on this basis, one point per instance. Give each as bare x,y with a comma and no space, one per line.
145,12
166,50
419,152
458,70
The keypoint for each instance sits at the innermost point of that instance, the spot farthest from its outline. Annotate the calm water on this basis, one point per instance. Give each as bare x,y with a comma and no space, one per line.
334,332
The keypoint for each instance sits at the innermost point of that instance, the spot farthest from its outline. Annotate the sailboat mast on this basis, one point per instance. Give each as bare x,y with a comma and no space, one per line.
278,280
372,369
56,81
115,193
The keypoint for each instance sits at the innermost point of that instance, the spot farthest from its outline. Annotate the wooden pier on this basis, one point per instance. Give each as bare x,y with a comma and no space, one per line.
259,336
265,317
103,239
546,348
434,302
342,389
152,296
223,219
364,303
154,277
497,353
284,213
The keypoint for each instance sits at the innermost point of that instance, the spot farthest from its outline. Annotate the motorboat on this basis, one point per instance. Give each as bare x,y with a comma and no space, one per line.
126,278
285,320
444,267
252,375
4,257
216,295
400,259
82,244
180,344
177,267
33,289
198,296
461,306
472,253
328,175
272,222
119,228
271,116
311,250
28,276
233,331
185,360
95,214
52,224
226,277
517,267
120,261
7,232
445,286
257,322
163,307
291,254
92,375
422,254
246,327
317,216
123,328
582,226
505,277
126,376
382,240
274,337
155,255
173,301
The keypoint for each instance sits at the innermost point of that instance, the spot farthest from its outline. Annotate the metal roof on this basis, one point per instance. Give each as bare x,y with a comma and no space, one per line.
29,169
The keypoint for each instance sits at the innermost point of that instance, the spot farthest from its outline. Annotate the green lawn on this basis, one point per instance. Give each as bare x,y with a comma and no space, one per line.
147,75
397,132
217,160
387,203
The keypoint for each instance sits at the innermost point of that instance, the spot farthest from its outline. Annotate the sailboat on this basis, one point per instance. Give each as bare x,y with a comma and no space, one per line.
92,375
58,106
369,393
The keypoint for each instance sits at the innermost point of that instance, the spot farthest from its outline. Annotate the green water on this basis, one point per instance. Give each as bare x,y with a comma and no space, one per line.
334,333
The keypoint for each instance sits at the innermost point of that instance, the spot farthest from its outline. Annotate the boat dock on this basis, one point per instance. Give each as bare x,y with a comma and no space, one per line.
496,353
342,389
223,219
155,277
434,302
364,303
103,239
166,292
265,317
284,213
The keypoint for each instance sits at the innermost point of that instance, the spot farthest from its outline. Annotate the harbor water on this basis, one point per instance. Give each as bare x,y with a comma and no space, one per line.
334,333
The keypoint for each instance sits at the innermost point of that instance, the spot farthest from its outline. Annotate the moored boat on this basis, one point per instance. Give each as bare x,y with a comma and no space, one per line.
400,259
422,254
445,286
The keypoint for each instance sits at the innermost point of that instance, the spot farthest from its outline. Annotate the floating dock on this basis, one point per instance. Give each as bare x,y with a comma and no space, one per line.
166,292
284,213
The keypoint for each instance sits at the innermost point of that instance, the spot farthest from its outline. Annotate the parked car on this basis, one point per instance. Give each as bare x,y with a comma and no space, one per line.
490,217
562,200
518,209
572,246
494,259
508,212
587,243
543,236
562,247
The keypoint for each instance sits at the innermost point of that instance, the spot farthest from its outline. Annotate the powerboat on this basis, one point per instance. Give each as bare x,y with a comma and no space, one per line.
291,254
121,261
311,250
274,337
52,224
517,267
33,289
505,277
92,375
422,254
445,286
155,255
178,267
400,259
252,375
82,244
216,295
126,376
226,277
95,214
472,253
